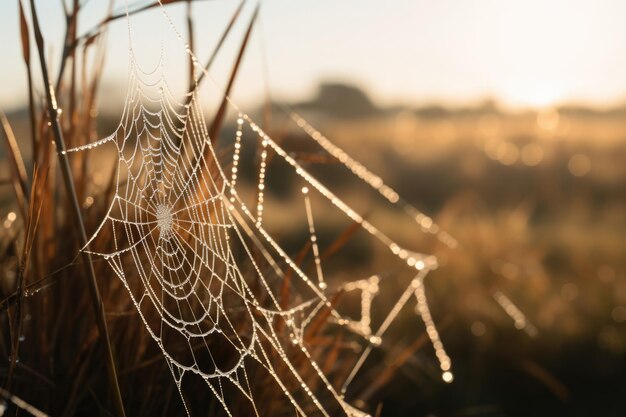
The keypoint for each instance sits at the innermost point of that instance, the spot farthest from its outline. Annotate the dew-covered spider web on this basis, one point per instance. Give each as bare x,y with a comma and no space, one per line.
209,280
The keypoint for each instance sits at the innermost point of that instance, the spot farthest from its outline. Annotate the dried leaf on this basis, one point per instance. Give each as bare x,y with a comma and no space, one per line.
91,39
24,34
341,240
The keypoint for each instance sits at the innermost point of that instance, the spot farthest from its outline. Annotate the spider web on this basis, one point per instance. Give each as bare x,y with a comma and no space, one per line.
206,276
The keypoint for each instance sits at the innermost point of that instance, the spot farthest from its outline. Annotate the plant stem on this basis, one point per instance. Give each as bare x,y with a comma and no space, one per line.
54,113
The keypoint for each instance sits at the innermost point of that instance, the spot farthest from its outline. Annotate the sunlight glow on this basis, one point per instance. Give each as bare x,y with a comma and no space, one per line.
528,94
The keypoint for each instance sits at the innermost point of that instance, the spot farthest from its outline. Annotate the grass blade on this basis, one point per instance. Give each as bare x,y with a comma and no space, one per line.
216,126
24,32
230,25
18,170
67,178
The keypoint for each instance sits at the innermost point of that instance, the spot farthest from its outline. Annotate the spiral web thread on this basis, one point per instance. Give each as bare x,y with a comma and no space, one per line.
183,243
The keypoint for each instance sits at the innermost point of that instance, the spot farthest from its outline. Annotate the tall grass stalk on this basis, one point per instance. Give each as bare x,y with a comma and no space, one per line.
94,292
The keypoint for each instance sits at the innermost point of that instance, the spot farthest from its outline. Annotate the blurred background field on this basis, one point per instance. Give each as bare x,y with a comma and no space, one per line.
536,201
531,304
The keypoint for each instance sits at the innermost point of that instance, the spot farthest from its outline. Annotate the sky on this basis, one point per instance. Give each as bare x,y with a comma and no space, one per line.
528,53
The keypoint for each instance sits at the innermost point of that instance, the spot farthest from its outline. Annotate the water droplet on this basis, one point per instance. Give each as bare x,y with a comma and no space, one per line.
375,340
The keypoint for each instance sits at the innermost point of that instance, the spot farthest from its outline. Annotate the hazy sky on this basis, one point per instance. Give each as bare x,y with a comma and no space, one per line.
526,52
